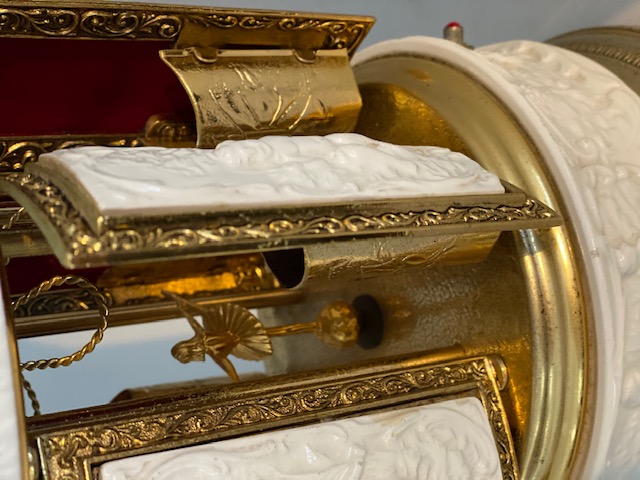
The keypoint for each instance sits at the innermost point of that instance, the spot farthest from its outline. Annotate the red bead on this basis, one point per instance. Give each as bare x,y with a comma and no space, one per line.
453,25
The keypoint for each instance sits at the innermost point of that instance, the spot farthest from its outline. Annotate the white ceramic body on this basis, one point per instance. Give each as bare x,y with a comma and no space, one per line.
267,172
585,123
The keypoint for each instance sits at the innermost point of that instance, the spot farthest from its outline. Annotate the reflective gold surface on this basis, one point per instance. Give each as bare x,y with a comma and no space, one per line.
549,400
71,450
239,94
144,284
188,26
81,237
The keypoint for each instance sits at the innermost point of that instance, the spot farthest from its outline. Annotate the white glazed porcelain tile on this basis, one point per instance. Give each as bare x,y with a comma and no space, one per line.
269,171
445,441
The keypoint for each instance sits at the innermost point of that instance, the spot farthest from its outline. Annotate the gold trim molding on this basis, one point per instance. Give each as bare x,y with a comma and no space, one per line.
156,22
72,450
76,244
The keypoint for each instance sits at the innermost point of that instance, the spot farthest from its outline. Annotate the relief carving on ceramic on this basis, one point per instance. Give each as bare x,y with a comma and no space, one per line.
271,170
595,119
447,440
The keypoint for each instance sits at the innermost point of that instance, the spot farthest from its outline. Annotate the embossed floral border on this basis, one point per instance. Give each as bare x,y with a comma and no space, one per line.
71,448
64,19
137,239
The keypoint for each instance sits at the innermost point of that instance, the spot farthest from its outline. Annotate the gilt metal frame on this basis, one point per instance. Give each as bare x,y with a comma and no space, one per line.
72,450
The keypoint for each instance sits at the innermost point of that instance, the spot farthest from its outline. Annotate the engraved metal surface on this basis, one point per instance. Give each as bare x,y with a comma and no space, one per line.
240,94
76,245
188,25
71,452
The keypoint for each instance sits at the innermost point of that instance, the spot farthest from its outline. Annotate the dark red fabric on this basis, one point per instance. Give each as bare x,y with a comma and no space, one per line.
85,86
26,273
81,87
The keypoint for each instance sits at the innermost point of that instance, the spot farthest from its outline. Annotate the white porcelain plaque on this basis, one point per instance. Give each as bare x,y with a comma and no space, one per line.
447,440
269,171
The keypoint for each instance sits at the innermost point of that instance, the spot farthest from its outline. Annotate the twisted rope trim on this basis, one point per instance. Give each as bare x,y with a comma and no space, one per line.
96,338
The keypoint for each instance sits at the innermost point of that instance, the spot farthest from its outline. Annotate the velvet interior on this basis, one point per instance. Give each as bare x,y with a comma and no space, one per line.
55,86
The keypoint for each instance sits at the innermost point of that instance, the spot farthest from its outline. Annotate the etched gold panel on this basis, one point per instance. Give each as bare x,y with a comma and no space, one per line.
239,94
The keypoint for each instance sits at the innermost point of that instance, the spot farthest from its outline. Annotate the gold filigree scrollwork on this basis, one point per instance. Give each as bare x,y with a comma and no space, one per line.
78,244
216,415
336,34
118,21
16,152
56,302
78,22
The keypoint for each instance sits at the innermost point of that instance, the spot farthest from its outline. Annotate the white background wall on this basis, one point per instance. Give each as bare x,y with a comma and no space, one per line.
140,355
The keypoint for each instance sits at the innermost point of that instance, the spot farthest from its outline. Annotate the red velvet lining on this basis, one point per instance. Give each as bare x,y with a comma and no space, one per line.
81,87
85,86
28,272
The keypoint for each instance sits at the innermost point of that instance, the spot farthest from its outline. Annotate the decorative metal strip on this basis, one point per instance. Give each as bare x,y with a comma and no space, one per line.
71,453
111,21
76,244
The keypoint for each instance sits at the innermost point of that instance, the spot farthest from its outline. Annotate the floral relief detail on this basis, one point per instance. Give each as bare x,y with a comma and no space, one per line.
135,23
594,117
88,23
206,419
448,440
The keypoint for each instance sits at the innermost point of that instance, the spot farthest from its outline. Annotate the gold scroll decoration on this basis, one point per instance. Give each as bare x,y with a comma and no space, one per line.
238,94
123,240
186,25
71,451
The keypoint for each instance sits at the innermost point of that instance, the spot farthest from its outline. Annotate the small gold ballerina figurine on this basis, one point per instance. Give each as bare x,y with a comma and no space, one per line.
229,329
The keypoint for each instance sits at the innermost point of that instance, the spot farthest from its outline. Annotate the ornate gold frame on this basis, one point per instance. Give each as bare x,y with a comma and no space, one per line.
72,450
90,239
188,26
